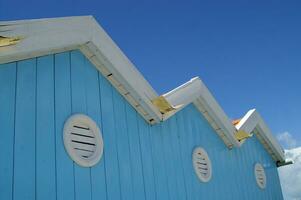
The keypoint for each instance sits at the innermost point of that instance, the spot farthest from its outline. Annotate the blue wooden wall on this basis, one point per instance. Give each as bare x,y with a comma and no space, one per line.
139,161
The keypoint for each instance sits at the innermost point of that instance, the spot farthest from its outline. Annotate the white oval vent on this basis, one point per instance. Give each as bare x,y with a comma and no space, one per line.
260,175
201,164
83,140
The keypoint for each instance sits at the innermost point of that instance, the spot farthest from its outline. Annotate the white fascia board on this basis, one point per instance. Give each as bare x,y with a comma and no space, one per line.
184,94
47,36
248,122
252,120
43,36
195,90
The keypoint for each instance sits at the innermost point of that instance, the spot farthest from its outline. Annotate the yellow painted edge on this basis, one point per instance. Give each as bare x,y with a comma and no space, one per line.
162,104
242,135
8,41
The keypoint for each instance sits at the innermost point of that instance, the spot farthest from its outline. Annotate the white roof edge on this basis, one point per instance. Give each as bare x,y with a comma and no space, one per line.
252,120
22,21
248,122
195,91
185,93
46,36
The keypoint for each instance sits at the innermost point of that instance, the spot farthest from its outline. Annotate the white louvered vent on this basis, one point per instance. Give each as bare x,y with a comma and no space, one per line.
260,175
202,164
83,140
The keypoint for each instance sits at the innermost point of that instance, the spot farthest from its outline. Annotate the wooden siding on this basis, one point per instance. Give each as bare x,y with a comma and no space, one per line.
139,162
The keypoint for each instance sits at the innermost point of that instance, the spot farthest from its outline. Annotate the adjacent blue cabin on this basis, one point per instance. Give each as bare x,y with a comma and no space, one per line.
80,122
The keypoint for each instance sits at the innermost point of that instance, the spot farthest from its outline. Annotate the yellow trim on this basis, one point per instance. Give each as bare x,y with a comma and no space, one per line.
162,104
7,41
242,135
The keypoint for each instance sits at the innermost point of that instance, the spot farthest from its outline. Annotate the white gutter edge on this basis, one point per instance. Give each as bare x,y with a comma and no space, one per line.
195,91
252,120
49,36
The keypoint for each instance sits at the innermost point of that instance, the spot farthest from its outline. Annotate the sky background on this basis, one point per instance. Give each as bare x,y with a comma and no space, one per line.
247,52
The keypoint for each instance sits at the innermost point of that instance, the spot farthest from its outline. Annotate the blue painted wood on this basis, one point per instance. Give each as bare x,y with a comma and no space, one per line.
135,153
123,148
186,152
82,175
45,133
147,159
7,121
98,180
191,142
64,165
158,163
169,161
25,132
139,162
179,170
110,144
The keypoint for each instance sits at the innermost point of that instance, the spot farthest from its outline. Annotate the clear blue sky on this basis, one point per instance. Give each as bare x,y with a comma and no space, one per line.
247,52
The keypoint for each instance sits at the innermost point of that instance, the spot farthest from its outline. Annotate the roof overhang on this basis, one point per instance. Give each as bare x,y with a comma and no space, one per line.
253,123
196,92
48,36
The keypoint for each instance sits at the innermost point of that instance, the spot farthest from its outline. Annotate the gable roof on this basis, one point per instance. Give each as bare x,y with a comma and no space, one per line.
253,123
33,38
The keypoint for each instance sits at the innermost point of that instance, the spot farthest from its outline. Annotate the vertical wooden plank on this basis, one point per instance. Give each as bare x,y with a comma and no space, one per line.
147,158
186,152
123,147
25,129
194,140
159,170
269,170
199,131
235,172
254,158
169,161
64,165
275,184
218,153
247,167
187,145
244,169
271,191
79,105
244,176
45,133
110,150
179,171
98,182
135,152
7,121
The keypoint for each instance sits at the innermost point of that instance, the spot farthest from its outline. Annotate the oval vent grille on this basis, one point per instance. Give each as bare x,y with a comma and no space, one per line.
83,140
201,164
260,175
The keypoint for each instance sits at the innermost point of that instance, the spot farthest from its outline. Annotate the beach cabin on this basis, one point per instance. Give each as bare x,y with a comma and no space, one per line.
79,122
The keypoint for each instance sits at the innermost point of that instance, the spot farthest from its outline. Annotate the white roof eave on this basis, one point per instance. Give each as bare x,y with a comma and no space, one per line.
47,36
251,121
195,91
